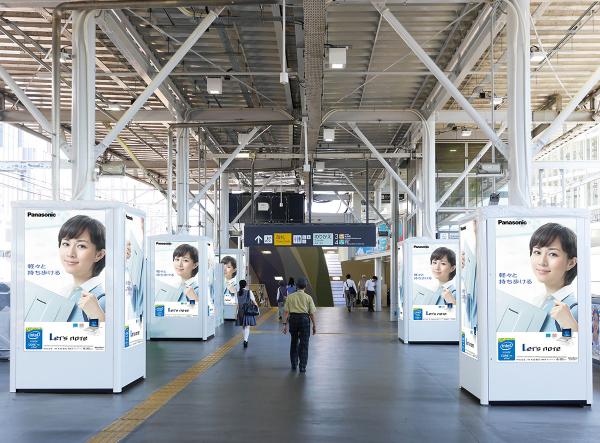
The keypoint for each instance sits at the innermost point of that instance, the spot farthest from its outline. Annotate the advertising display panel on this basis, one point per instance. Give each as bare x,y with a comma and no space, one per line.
134,280
536,290
596,328
210,275
64,293
230,276
400,284
433,282
468,275
176,287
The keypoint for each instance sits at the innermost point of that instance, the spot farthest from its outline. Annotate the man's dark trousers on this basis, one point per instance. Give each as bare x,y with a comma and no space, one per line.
300,334
371,296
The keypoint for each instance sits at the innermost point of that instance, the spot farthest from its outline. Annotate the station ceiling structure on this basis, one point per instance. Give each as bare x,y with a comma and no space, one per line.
383,86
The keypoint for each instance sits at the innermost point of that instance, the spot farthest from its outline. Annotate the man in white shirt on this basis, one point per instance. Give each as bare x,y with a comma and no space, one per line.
371,292
350,292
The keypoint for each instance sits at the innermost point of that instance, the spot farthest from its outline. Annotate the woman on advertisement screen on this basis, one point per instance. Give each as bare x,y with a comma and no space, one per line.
82,251
553,254
443,268
230,274
185,264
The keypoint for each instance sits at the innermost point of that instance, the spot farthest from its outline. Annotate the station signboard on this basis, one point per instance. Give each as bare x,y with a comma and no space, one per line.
304,235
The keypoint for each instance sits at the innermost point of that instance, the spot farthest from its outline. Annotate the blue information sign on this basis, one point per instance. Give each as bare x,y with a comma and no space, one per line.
322,234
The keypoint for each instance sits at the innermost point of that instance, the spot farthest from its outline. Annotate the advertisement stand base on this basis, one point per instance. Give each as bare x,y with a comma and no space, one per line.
422,319
520,280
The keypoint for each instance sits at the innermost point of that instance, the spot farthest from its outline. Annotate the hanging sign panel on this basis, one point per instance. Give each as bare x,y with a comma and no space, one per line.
323,234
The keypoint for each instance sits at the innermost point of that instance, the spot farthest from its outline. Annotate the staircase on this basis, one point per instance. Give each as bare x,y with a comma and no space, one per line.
334,268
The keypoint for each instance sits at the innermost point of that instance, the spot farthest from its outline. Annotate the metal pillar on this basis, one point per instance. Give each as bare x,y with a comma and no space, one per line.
224,211
563,186
360,194
541,187
170,182
395,222
252,209
380,280
429,204
83,116
357,205
519,103
183,185
367,192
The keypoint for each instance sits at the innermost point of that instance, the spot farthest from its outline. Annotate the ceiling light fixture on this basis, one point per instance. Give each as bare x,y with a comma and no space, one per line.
266,252
497,101
278,278
466,132
328,134
214,85
536,55
337,58
114,107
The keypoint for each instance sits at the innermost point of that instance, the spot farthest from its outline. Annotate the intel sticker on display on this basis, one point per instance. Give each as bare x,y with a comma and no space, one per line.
65,257
176,279
433,281
536,289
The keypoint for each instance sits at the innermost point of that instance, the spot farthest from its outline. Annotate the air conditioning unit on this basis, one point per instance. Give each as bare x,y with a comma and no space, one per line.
489,168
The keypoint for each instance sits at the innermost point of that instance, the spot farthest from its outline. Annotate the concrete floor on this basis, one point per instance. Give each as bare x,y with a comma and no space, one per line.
361,385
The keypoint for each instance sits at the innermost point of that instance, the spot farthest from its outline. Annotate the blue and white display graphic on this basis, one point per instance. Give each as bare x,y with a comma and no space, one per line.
536,289
134,280
433,282
468,286
176,288
65,300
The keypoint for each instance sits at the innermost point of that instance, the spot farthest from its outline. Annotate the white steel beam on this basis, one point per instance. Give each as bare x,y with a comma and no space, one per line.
467,170
83,106
367,201
248,116
182,175
243,143
442,78
119,29
158,79
543,138
356,219
44,123
386,165
429,169
519,103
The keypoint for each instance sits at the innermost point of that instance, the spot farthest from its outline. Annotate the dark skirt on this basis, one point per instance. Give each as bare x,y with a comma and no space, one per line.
244,320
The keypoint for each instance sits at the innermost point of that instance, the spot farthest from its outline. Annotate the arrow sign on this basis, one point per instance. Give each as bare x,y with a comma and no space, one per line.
258,239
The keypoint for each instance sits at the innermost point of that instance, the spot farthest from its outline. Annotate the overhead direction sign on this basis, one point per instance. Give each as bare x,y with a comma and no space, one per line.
304,234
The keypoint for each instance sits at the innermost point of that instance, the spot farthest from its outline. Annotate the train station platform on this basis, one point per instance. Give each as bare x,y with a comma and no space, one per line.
361,385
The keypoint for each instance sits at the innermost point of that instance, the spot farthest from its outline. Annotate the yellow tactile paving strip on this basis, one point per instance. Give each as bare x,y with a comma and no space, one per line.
124,425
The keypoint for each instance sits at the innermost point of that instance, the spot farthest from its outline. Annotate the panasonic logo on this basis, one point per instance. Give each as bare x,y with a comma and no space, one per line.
163,243
421,247
512,222
41,214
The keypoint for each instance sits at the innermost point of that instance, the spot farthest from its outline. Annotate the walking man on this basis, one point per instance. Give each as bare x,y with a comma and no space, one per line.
350,292
371,292
299,310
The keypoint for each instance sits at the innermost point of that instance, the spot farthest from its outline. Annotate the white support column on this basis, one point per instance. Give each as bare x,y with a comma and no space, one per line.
429,204
519,103
380,280
419,214
83,115
224,208
183,185
169,182
357,205
395,222
563,186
